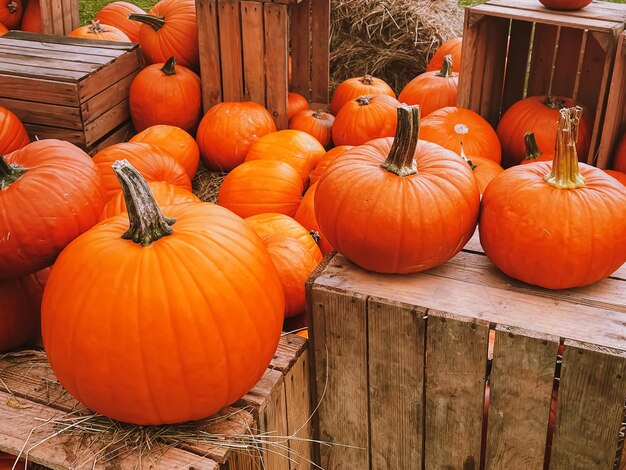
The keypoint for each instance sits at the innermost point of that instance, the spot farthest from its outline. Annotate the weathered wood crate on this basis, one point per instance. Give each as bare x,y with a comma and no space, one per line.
279,405
69,88
516,49
402,363
245,48
59,16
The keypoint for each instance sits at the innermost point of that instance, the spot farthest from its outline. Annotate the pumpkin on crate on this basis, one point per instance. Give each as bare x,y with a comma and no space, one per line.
326,160
11,13
451,47
100,32
269,224
13,135
31,19
619,158
556,224
353,88
166,94
192,295
315,123
295,104
365,118
565,4
50,192
533,154
398,205
116,14
306,216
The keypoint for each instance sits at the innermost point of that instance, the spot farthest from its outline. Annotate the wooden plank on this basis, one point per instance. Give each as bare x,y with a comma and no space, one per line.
45,114
108,98
32,71
46,16
299,410
76,50
57,18
276,47
122,134
467,75
497,32
544,43
38,53
230,50
8,60
123,66
590,406
340,330
48,132
300,27
95,44
290,348
567,61
208,38
67,7
595,10
396,341
521,380
253,50
106,122
517,63
320,50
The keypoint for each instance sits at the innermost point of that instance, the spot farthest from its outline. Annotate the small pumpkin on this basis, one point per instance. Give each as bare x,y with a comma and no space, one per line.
432,90
565,4
295,104
353,88
101,32
618,175
116,14
556,224
484,170
269,224
365,118
533,154
31,19
13,135
619,158
451,47
167,94
316,123
323,163
306,216
260,186
228,130
11,13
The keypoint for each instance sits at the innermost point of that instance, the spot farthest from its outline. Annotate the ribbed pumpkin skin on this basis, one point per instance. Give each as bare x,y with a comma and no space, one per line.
21,306
431,92
59,197
619,159
228,130
359,121
565,4
389,224
157,98
270,224
295,104
450,47
485,171
104,32
326,160
527,227
198,313
116,14
13,135
459,128
165,194
261,186
175,142
31,20
315,123
618,175
306,217
352,88
151,162
11,13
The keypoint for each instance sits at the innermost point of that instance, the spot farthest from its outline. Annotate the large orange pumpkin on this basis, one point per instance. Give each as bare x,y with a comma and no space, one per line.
565,4
533,154
306,216
31,20
169,29
167,94
101,32
538,114
295,104
455,128
451,47
398,205
228,130
13,135
269,224
316,123
50,192
261,186
175,316
116,14
556,224
323,163
353,88
619,159
11,13
365,118
618,175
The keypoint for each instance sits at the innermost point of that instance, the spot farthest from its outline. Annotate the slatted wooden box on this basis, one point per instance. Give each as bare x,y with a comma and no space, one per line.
516,49
59,16
245,48
402,363
69,88
279,405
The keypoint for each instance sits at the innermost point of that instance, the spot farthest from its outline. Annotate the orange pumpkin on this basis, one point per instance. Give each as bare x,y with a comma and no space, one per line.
451,47
432,90
13,135
619,159
353,88
306,216
116,14
269,224
484,170
533,154
364,119
31,20
455,128
618,175
297,148
326,160
166,94
261,186
3,30
295,104
565,4
101,32
316,123
11,13
228,130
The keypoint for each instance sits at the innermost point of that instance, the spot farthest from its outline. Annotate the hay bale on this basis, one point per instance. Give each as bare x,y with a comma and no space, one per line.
390,39
207,184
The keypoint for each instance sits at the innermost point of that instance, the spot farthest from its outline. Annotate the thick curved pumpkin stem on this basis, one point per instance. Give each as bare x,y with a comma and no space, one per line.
147,222
9,173
169,68
157,22
367,79
446,68
532,150
565,173
401,159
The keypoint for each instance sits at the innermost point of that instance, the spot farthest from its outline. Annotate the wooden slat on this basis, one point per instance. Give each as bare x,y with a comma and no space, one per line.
45,114
208,38
340,330
567,60
276,46
320,49
49,132
107,99
38,53
46,16
544,42
456,361
96,44
230,50
253,53
396,381
470,46
8,60
517,63
120,68
122,134
68,6
56,8
32,71
300,28
522,377
596,10
590,407
299,409
78,50
290,348
494,68
102,125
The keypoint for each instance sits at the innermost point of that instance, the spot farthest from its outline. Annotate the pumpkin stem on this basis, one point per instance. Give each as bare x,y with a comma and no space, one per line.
319,114
401,159
147,222
364,100
553,103
315,235
96,27
12,6
367,79
446,68
157,22
169,68
532,150
565,173
467,160
9,173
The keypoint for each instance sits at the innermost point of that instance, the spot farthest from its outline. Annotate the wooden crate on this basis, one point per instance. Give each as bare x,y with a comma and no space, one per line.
278,405
516,49
69,88
245,48
402,363
59,16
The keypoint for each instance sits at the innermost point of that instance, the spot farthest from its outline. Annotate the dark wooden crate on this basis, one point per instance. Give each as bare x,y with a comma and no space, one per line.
69,88
516,49
59,16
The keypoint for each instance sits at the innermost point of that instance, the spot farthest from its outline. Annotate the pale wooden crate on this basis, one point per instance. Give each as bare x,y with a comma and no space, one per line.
69,88
59,16
279,405
402,363
244,50
516,49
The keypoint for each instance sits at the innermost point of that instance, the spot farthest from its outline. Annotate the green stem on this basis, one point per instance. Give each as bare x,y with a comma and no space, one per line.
565,173
9,173
169,68
147,222
157,22
401,159
532,150
446,68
